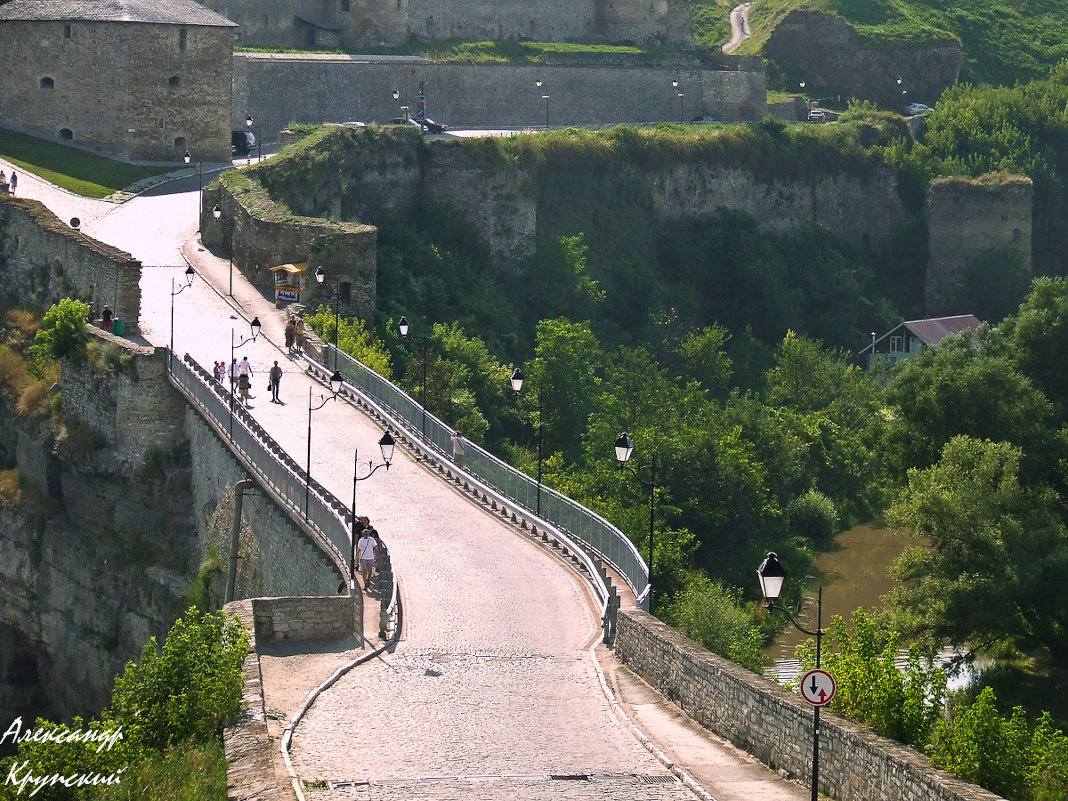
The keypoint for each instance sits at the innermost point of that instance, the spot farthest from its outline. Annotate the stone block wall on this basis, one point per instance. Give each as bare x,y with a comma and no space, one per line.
592,90
972,219
136,90
307,618
43,260
775,725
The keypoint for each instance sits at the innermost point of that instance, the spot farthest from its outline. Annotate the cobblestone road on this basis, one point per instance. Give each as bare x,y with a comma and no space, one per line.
492,691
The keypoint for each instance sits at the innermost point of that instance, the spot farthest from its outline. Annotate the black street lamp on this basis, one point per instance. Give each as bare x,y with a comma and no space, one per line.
675,85
772,576
217,213
517,385
320,276
336,382
189,273
624,449
537,83
402,326
255,326
385,445
200,185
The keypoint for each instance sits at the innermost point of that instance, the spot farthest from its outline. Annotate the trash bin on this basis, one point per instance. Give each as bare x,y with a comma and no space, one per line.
116,327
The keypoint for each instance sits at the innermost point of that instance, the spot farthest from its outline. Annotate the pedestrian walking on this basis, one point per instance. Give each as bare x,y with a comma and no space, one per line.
366,550
244,379
234,372
291,334
300,335
14,181
106,318
458,448
276,379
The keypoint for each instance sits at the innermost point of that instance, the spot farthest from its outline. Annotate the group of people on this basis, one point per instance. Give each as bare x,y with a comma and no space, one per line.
295,334
107,319
8,185
369,550
240,375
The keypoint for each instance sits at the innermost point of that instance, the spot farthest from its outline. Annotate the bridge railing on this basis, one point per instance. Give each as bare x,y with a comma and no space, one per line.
590,530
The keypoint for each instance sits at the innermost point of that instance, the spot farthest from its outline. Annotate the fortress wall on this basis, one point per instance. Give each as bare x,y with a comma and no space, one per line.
315,89
967,220
775,725
548,21
44,260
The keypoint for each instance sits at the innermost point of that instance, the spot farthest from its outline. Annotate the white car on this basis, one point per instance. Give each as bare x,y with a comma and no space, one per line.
913,109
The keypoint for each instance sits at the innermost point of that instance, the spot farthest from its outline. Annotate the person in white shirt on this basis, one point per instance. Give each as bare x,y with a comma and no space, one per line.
365,548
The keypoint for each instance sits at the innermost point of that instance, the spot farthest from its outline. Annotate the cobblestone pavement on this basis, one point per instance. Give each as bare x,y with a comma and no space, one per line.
493,688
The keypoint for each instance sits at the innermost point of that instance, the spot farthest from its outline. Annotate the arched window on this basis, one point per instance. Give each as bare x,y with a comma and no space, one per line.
174,82
48,83
180,144
66,133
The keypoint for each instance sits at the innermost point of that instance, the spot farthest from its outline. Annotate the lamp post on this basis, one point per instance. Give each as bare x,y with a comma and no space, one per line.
772,575
402,326
200,185
385,445
320,276
217,213
675,85
624,449
249,122
255,326
517,385
189,273
537,83
336,381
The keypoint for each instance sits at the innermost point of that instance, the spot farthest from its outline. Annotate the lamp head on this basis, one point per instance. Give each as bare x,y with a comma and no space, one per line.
386,445
336,382
772,575
802,84
624,448
255,326
186,157
320,274
517,380
402,326
216,212
396,94
249,122
537,82
675,84
189,273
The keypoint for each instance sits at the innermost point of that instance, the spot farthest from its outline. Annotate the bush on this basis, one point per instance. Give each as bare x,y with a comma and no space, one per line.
62,332
710,614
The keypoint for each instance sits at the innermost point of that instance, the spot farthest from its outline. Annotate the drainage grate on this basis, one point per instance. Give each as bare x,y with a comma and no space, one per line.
570,777
666,778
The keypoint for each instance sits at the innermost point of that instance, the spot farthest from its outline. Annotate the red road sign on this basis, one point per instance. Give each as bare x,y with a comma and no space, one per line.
817,687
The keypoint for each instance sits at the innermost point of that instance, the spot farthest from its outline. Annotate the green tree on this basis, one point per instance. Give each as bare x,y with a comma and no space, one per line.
62,332
568,365
1034,338
713,615
352,338
995,555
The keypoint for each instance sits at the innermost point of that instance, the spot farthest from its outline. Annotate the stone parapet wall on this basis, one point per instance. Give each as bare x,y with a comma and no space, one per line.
324,618
43,260
775,725
595,91
972,219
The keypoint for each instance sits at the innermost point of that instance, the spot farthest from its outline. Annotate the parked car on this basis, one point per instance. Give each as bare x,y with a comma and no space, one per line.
242,142
815,115
912,109
404,121
433,127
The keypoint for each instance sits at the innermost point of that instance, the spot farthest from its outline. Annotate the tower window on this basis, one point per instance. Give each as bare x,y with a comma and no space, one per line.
174,82
48,83
66,31
183,36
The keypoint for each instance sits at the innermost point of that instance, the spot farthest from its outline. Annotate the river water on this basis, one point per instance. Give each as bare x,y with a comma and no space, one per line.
853,574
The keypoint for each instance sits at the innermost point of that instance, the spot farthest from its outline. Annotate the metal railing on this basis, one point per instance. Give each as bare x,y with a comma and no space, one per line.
588,528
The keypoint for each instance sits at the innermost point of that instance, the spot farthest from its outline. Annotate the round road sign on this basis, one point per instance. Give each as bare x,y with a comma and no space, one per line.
817,687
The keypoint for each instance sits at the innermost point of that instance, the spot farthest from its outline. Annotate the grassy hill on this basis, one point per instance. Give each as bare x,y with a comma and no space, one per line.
1005,41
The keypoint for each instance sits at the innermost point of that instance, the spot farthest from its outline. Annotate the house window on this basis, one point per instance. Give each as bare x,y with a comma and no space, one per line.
915,345
180,145
66,31
66,133
896,344
345,291
162,123
182,37
175,82
48,83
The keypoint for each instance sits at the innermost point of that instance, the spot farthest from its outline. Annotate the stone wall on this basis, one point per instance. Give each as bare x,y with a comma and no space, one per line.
43,260
775,725
326,618
833,59
259,235
969,220
583,89
138,91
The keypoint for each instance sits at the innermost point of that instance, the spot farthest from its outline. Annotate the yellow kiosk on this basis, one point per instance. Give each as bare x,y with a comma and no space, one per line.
288,281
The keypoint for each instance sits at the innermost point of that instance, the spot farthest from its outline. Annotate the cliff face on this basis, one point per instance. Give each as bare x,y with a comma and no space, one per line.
832,58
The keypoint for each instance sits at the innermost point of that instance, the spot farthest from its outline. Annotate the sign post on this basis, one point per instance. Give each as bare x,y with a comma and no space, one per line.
818,687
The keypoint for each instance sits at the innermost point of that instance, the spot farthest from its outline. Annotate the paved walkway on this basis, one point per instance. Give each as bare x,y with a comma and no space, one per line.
495,688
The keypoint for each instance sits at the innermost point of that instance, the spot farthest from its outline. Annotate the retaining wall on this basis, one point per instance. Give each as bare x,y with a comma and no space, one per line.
775,725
